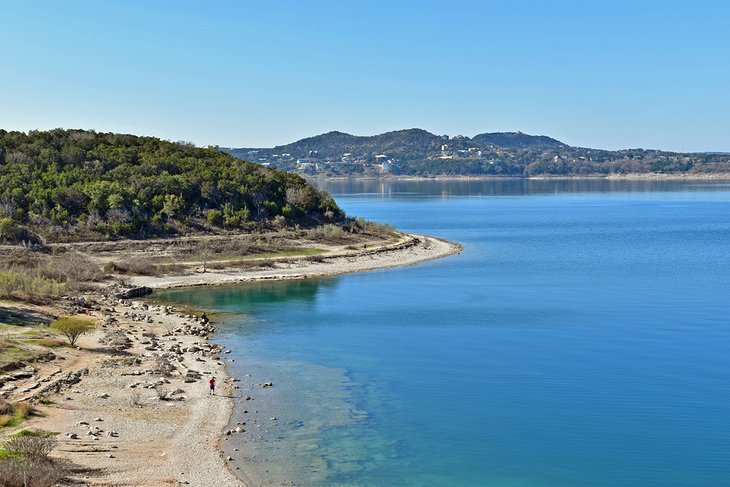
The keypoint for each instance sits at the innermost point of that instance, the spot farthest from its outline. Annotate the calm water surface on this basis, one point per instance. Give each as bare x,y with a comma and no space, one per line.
581,338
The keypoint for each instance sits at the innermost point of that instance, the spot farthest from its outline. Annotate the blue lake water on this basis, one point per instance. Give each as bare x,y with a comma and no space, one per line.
582,337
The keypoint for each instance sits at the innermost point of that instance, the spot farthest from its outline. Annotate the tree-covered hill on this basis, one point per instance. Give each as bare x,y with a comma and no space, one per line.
78,184
516,140
415,152
404,143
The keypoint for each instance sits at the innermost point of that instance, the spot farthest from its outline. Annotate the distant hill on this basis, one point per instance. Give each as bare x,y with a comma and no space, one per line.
416,152
517,140
82,185
404,143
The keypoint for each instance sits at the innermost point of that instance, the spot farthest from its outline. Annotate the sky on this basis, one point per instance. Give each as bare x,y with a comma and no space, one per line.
604,74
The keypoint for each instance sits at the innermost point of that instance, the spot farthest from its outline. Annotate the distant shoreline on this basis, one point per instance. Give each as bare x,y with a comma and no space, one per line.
598,177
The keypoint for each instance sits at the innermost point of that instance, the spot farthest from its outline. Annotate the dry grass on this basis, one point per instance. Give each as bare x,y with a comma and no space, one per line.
138,266
14,414
23,410
5,407
48,342
327,233
38,278
19,284
72,267
252,264
11,352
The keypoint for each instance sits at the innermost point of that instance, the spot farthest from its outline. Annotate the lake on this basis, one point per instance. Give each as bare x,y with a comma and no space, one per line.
582,337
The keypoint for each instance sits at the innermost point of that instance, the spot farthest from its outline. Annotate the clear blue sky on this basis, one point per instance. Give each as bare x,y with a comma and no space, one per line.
611,74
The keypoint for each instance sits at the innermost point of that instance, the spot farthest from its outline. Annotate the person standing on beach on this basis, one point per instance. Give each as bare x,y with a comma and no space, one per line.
212,386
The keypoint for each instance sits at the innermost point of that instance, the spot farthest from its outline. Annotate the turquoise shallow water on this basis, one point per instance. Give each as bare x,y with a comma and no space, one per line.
581,338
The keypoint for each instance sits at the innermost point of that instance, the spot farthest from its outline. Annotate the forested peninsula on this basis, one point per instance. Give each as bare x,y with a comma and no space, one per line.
71,185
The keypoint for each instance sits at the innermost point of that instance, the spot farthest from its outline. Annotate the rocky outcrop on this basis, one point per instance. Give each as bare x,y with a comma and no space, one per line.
135,292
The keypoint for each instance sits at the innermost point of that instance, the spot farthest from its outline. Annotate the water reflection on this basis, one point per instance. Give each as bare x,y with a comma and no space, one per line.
445,188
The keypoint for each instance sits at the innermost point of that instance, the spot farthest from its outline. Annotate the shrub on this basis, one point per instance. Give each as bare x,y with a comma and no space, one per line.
25,461
21,472
32,445
272,209
73,327
10,231
215,217
287,211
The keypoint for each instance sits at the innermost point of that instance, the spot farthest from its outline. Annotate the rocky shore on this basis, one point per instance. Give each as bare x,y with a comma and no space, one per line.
130,402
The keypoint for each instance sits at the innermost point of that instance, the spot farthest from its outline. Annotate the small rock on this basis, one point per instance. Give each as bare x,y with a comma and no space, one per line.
32,386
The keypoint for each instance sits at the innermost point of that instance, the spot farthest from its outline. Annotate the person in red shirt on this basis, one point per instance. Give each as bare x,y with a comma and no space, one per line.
212,386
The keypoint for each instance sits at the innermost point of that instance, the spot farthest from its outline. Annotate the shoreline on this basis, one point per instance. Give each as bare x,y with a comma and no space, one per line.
410,249
130,403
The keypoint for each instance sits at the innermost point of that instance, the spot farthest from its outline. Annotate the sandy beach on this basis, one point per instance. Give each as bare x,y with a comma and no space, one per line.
131,404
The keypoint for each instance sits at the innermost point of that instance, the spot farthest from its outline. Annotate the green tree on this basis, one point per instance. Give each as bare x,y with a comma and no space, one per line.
73,327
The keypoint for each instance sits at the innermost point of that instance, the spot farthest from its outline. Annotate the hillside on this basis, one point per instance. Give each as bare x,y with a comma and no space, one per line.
416,152
63,185
404,143
516,140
